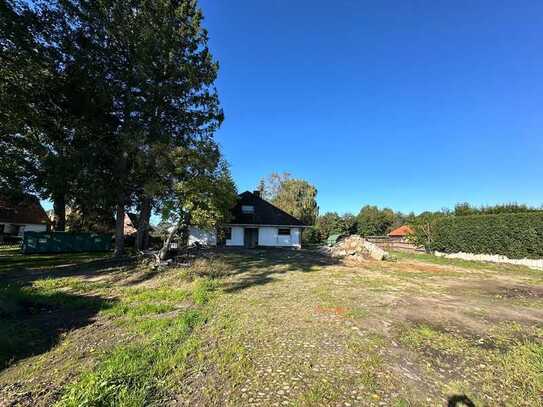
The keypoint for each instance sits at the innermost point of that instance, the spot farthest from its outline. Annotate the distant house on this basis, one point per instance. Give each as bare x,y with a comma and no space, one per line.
255,223
23,215
401,233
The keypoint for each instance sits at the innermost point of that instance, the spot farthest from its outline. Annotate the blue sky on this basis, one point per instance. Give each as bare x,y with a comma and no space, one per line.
414,105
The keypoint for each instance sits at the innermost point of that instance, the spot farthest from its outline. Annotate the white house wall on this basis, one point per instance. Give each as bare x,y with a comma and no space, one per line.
236,237
10,228
35,228
269,236
296,236
201,236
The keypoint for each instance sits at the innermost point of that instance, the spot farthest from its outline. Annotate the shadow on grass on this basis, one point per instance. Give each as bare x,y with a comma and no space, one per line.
258,266
32,321
459,401
23,269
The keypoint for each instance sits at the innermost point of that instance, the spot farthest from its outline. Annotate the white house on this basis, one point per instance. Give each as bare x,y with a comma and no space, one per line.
23,215
255,223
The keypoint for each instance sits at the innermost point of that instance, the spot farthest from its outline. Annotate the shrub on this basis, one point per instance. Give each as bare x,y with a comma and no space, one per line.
515,235
311,235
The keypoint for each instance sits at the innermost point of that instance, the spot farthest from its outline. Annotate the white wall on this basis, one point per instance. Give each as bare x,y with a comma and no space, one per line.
34,228
237,237
10,228
296,235
201,236
269,236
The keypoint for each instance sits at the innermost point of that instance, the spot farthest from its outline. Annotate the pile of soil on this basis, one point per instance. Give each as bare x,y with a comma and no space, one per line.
356,248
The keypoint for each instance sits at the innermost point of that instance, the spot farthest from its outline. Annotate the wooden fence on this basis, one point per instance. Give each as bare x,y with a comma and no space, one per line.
388,243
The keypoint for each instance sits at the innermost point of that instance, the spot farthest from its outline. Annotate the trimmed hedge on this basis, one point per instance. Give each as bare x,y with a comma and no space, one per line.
515,235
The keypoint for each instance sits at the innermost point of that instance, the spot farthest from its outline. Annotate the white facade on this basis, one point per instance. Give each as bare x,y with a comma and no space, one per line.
201,236
236,237
268,236
19,229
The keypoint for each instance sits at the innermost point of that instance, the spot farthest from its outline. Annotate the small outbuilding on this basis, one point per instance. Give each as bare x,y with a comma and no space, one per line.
401,233
22,215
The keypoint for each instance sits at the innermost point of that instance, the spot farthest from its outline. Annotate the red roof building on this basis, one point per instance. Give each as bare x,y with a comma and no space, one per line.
401,232
25,214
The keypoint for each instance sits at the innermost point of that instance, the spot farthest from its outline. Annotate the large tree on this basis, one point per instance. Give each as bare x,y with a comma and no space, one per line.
201,194
150,58
295,196
372,221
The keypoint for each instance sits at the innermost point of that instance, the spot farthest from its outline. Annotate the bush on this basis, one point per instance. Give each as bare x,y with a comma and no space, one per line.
515,235
311,235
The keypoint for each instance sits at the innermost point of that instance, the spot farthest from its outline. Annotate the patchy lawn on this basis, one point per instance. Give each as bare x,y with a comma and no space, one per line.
271,328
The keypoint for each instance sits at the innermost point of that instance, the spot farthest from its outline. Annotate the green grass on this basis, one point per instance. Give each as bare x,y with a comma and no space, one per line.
319,394
13,259
138,374
515,362
24,331
469,264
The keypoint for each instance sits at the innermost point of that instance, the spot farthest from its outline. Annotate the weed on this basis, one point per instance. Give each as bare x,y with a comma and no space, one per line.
203,291
322,393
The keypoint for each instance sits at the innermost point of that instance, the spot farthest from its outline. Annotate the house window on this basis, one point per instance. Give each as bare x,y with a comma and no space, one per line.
2,229
228,233
247,209
284,232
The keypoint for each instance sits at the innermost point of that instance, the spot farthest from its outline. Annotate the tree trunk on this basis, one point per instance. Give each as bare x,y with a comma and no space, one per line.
59,216
119,229
142,237
166,246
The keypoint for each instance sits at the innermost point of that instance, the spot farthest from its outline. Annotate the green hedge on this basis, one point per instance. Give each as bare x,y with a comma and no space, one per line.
515,235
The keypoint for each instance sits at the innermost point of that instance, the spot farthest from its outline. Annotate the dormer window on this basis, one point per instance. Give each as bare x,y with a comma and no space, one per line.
247,209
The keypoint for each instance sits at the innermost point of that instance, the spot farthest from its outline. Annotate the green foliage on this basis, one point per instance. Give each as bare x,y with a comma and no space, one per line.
465,209
311,235
423,228
372,221
298,197
295,196
331,223
515,235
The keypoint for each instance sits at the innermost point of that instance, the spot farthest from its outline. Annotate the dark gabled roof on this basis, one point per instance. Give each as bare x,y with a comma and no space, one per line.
265,213
26,210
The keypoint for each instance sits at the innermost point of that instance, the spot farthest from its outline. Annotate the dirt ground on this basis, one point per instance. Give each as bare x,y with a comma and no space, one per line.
314,332
295,328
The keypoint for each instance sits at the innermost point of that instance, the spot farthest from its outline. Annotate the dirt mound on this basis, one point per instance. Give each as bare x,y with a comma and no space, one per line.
355,248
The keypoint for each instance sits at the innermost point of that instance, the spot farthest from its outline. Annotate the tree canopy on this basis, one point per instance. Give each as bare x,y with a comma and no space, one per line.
110,105
295,196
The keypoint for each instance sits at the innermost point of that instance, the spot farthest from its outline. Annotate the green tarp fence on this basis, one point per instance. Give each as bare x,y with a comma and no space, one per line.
59,242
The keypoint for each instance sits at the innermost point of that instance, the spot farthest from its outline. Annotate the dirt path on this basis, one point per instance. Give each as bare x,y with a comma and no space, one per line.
299,330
